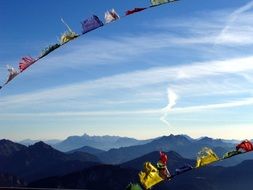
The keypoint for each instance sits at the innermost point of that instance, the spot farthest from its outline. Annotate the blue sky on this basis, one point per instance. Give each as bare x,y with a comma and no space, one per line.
116,80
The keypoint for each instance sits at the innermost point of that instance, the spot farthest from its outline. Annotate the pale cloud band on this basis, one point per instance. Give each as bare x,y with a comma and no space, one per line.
179,110
136,79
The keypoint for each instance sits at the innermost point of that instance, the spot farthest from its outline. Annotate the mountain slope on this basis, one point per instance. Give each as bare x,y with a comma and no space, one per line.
7,147
174,160
87,149
117,177
41,160
7,180
97,177
214,178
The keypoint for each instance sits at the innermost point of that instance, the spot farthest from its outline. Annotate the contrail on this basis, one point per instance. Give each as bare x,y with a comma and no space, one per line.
172,101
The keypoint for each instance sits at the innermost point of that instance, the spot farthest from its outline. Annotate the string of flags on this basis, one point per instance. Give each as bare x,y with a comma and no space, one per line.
154,174
88,25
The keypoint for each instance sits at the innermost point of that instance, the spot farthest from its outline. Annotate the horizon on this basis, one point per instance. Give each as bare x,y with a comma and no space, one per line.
154,137
162,71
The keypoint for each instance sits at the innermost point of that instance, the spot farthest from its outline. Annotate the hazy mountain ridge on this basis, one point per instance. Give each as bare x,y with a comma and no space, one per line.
87,149
108,142
178,143
100,142
28,142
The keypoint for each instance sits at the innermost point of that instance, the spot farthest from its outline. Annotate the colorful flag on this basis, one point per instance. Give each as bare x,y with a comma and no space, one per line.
12,74
111,16
245,145
135,10
48,50
91,24
163,158
231,153
159,2
162,166
68,36
132,186
206,156
26,62
150,176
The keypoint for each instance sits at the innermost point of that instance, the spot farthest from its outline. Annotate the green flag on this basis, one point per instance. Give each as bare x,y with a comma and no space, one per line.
159,2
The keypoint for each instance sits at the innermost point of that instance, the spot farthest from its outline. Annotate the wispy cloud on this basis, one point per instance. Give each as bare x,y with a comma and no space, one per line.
190,109
232,18
192,75
199,108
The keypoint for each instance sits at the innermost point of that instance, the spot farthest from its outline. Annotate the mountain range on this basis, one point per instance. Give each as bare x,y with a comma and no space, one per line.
41,165
129,148
100,142
41,160
182,145
108,142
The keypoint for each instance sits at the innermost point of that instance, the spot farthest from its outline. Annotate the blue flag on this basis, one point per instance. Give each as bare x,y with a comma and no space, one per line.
91,24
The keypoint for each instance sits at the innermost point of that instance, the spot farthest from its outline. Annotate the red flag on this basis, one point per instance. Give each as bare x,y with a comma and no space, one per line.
245,145
26,62
163,158
135,10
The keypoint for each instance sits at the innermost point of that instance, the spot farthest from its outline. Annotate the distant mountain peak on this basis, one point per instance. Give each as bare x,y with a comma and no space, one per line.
40,145
209,139
173,137
188,137
85,135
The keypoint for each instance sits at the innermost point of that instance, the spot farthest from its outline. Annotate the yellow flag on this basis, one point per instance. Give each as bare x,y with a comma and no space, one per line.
206,156
158,2
67,36
150,176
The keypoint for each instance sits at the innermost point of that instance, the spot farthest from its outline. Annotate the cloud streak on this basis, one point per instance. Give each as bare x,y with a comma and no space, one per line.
134,80
239,103
190,109
231,19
